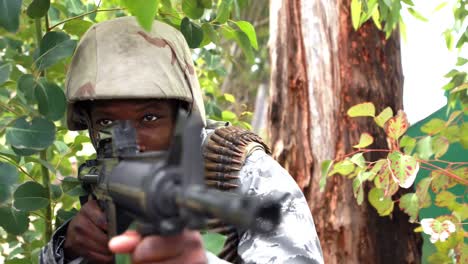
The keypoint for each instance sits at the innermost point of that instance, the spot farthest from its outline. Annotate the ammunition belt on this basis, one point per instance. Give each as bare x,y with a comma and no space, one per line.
225,153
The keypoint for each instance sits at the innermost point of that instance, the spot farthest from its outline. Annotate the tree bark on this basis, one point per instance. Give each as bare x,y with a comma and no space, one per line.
320,68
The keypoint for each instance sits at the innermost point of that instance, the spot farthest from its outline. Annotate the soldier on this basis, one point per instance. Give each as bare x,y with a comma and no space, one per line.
121,72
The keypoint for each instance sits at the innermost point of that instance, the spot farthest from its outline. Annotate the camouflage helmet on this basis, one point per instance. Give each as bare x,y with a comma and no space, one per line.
117,59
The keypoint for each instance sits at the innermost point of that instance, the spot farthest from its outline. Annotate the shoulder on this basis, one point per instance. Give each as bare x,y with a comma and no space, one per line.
235,157
226,150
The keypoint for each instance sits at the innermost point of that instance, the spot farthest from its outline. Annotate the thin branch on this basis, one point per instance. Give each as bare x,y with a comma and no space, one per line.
6,107
18,166
82,15
446,172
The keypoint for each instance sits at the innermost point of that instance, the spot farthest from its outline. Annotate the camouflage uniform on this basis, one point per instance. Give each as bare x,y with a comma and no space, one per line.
235,159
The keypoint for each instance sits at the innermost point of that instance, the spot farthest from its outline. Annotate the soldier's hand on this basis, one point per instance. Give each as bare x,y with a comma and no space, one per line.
184,248
86,235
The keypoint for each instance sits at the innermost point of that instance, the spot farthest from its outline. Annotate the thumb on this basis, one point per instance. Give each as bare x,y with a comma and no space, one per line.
125,243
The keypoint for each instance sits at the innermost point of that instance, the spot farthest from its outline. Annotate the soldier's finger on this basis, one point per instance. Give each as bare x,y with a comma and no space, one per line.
125,243
155,248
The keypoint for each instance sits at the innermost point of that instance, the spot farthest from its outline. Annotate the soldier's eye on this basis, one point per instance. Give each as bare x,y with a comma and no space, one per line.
105,122
150,117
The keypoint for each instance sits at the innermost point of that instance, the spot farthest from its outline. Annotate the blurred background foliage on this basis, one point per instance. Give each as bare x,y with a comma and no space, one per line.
39,156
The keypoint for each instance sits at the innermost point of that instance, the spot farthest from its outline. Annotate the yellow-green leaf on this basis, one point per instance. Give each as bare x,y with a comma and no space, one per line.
409,203
408,143
344,167
422,191
229,97
403,168
356,8
365,140
396,126
383,204
249,30
383,117
434,126
359,160
363,109
143,10
440,146
440,181
326,165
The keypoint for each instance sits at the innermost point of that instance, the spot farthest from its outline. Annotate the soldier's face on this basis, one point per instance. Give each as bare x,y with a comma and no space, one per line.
153,119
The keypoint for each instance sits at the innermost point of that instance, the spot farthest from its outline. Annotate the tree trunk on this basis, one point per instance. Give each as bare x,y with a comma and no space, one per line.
320,68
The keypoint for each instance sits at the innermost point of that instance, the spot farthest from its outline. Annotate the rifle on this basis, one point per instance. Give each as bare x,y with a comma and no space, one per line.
164,191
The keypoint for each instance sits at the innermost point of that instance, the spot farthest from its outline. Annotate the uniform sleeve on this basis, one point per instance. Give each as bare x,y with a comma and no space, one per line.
53,253
295,240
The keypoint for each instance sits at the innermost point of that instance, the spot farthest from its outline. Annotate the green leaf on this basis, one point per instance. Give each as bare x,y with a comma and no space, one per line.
72,187
409,203
13,221
434,126
213,242
224,11
243,41
30,196
403,168
5,193
383,205
383,117
422,191
446,199
77,27
206,3
193,8
5,70
358,190
74,7
10,11
64,215
8,174
448,39
461,61
359,160
249,30
408,143
37,134
229,97
209,34
396,126
363,109
378,168
228,116
365,140
452,133
459,88
417,15
26,84
8,177
325,168
344,167
143,10
54,47
440,146
55,192
193,33
356,8
51,100
464,135
38,8
440,181
424,148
